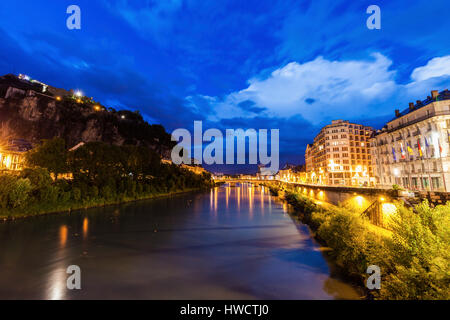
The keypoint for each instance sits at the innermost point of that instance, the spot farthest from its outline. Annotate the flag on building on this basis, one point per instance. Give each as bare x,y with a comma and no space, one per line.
410,150
403,151
419,148
427,146
393,154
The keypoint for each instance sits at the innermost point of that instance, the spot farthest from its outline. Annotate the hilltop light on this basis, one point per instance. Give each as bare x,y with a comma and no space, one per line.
97,107
78,93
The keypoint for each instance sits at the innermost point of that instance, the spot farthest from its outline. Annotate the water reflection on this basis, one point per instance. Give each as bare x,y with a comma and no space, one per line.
85,227
62,236
223,245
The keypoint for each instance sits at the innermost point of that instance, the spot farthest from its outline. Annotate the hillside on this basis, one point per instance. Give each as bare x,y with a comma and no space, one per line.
33,111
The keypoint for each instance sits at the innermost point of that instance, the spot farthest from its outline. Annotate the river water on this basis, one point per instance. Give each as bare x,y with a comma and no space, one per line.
233,242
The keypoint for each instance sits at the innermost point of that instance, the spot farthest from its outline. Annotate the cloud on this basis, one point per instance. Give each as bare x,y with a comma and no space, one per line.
149,17
436,67
315,90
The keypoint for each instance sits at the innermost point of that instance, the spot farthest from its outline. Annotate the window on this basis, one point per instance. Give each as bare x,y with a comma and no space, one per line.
435,182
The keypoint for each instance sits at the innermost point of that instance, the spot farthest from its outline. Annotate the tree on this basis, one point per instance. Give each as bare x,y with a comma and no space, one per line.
51,155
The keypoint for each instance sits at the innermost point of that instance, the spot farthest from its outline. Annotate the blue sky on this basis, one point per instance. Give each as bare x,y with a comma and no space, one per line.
292,65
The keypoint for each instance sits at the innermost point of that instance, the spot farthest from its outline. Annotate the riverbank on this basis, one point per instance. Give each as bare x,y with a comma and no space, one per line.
95,174
413,255
36,211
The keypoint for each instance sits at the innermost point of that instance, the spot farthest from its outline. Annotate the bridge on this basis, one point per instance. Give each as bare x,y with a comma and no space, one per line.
372,202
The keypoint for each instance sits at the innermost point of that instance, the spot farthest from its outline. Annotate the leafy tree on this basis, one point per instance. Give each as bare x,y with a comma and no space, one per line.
51,155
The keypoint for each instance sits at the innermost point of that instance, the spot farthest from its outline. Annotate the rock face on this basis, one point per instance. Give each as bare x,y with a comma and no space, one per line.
34,116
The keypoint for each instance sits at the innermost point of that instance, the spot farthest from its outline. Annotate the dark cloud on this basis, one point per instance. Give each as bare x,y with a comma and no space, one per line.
250,106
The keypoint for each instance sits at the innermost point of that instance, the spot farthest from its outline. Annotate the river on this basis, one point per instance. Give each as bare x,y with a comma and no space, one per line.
232,242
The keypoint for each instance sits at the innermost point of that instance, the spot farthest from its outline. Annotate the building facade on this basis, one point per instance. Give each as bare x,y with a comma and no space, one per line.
12,154
413,150
340,156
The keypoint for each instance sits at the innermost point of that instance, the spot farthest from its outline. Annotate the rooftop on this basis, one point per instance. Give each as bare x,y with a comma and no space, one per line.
435,96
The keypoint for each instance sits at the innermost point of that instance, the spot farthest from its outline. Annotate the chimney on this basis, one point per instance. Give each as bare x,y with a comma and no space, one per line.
434,94
411,106
397,113
419,103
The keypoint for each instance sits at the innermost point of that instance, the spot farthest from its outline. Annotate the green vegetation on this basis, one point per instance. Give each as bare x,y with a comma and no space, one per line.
414,256
274,190
95,174
396,187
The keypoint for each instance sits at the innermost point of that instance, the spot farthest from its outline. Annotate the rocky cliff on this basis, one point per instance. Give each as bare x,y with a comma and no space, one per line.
31,115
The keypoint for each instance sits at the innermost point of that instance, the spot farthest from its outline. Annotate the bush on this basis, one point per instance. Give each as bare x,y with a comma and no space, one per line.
6,185
414,259
76,194
19,193
353,244
420,254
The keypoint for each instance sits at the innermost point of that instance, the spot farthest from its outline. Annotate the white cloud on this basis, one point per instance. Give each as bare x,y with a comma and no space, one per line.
315,89
321,90
436,67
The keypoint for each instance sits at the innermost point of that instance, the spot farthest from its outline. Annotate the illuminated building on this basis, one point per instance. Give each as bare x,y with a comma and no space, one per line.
340,156
412,150
12,155
292,173
23,85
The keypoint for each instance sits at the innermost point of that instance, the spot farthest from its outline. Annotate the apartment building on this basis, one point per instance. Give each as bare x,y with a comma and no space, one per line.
340,155
413,149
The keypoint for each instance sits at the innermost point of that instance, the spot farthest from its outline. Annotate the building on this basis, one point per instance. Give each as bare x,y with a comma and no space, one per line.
292,173
22,85
12,154
413,149
340,156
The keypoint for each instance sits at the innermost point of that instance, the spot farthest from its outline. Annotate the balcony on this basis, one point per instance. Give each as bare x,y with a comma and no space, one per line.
428,116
